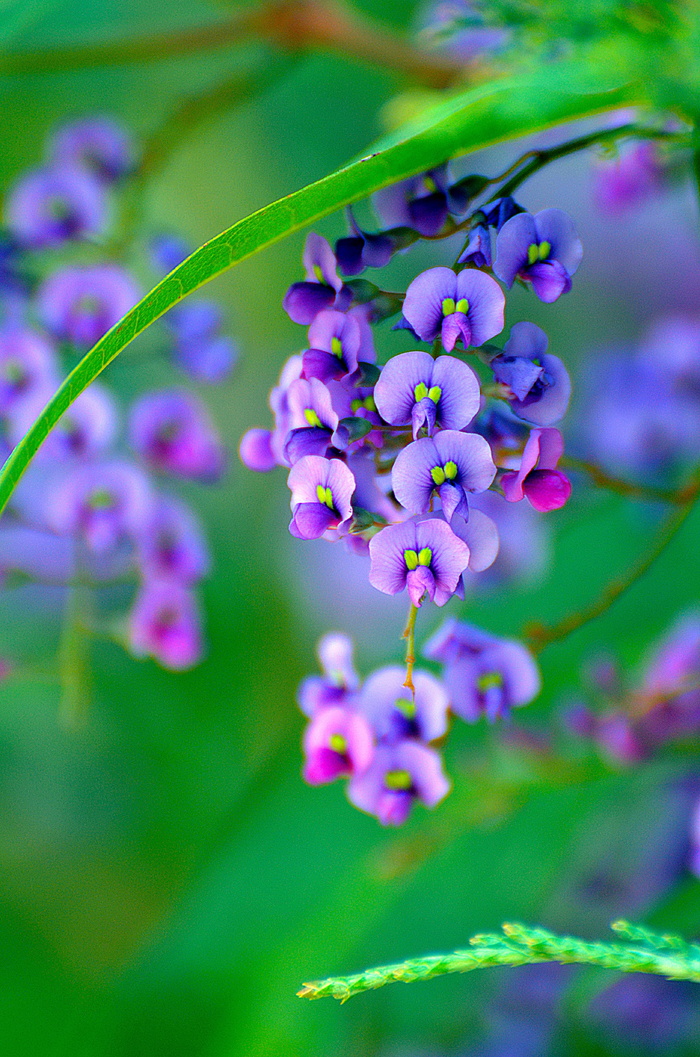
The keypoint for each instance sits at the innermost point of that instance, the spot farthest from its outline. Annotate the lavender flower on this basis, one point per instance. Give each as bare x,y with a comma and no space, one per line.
97,144
49,206
537,479
262,449
172,431
414,388
420,203
478,249
396,714
255,450
322,287
451,464
164,623
467,307
535,384
337,743
104,503
312,419
543,250
422,557
625,182
201,351
27,367
484,675
459,28
171,545
80,304
480,533
86,430
398,776
336,346
339,683
321,492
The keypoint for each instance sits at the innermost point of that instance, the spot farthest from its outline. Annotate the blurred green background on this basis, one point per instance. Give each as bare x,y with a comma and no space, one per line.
168,882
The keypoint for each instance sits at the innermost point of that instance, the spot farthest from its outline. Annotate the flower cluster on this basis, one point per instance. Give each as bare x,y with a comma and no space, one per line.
390,459
383,735
89,511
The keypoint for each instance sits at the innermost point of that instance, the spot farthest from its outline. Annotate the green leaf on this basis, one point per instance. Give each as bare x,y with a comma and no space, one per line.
650,952
470,121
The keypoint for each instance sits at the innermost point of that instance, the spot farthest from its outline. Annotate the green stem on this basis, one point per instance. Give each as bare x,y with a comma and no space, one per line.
519,945
409,634
74,660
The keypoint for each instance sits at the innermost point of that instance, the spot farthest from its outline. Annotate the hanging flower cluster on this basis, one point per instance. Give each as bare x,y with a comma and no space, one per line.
89,511
388,459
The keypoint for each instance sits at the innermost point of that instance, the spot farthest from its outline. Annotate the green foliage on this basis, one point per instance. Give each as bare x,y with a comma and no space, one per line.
649,952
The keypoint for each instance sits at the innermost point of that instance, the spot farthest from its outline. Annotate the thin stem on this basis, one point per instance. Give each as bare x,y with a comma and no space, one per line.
640,704
409,634
539,635
293,25
73,660
603,479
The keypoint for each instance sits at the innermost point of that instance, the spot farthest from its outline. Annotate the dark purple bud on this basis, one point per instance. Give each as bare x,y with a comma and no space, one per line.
419,202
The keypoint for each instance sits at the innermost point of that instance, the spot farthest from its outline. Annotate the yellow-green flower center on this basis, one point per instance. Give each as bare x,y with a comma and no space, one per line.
398,781
101,499
312,417
338,744
489,680
325,496
413,559
538,251
337,347
448,472
406,707
319,274
421,391
367,404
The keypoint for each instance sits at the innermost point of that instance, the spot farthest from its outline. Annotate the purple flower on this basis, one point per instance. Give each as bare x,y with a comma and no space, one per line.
543,250
262,449
467,307
478,248
255,450
335,339
322,287
171,544
209,361
164,623
414,388
675,661
312,419
49,206
172,431
450,464
102,502
395,714
39,555
537,479
339,683
337,743
98,144
80,304
321,492
27,367
536,385
362,249
484,675
627,181
420,203
422,557
167,252
480,533
87,429
399,775
458,28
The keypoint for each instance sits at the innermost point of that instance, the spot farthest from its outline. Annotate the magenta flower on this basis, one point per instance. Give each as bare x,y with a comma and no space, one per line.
172,431
339,683
467,307
543,250
322,287
97,144
27,368
622,183
398,776
104,503
80,304
337,743
414,388
396,714
422,557
536,385
451,465
164,623
49,206
484,675
321,492
537,479
171,544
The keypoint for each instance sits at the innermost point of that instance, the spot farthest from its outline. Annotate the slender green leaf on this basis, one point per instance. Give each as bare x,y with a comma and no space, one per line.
649,952
472,120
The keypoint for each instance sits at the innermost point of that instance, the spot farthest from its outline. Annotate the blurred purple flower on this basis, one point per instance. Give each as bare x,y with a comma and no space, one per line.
647,1013
172,431
537,480
80,304
484,674
415,388
337,743
28,368
399,775
420,203
164,623
459,28
339,683
86,430
42,556
622,183
396,714
467,307
46,207
422,557
98,144
537,385
543,250
321,492
104,502
171,544
451,464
